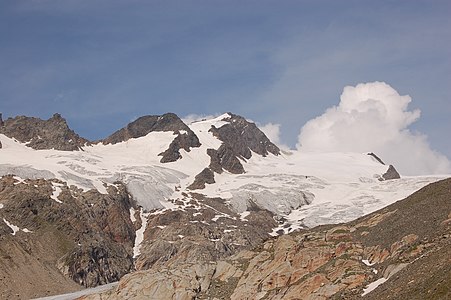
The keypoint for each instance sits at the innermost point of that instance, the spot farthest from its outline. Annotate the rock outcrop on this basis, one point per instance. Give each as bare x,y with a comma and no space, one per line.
206,176
391,173
54,232
142,126
205,230
404,247
376,157
239,139
38,134
243,136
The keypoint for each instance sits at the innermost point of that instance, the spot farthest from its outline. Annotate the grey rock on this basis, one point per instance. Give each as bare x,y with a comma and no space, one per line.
92,232
215,161
206,176
167,122
239,137
243,136
391,173
53,133
225,158
376,157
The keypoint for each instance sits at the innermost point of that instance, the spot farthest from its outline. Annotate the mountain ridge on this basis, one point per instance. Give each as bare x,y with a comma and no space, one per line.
205,192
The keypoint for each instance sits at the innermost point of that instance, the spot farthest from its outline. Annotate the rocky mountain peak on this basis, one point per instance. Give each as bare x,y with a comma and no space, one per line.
240,138
142,126
243,136
38,134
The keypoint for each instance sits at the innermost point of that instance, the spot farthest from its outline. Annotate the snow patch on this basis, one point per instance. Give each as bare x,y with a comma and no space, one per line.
243,216
13,227
373,285
132,215
140,233
367,262
56,192
19,180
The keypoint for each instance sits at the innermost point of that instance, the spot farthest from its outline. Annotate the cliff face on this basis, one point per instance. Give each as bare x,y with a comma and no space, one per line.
406,245
240,138
38,134
51,233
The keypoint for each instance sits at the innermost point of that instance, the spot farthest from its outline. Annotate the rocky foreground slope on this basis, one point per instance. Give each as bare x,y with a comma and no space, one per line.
402,252
54,244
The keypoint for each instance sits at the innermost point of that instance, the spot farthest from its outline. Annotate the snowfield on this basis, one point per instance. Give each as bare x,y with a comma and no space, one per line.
303,188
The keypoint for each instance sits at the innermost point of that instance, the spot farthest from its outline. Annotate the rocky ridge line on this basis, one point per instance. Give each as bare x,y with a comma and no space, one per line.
38,134
142,126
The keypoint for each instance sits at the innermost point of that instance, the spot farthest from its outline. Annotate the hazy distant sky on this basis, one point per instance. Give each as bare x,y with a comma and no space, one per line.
103,63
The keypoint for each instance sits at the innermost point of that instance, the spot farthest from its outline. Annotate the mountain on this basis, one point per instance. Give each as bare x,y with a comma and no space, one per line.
159,193
400,252
38,134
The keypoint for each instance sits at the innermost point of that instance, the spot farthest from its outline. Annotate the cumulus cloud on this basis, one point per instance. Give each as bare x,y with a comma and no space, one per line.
373,117
272,132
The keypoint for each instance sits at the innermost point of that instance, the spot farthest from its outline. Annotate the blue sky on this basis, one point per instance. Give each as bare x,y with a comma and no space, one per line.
103,63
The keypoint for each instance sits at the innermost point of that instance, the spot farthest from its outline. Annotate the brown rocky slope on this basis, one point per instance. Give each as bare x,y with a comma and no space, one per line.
53,245
407,243
53,133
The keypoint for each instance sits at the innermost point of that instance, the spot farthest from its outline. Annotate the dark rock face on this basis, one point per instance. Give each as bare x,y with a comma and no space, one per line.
53,133
91,233
206,176
391,173
182,141
225,158
239,137
376,157
242,136
142,126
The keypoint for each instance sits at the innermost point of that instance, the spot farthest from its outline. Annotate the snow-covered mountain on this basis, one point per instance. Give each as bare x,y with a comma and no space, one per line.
205,189
312,188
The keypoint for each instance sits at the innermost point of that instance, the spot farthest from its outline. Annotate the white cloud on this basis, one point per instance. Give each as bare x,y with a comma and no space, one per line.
272,132
373,117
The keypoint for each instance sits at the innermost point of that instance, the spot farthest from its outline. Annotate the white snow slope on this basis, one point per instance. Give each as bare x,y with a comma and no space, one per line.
339,186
